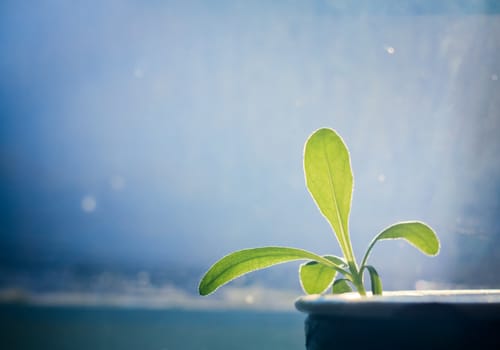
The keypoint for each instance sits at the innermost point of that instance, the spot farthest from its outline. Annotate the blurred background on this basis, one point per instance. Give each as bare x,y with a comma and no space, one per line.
140,141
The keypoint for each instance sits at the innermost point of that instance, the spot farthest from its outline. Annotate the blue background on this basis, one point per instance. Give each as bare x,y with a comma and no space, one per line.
163,134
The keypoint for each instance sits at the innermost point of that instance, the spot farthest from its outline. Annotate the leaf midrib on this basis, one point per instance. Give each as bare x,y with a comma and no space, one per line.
296,257
246,260
334,197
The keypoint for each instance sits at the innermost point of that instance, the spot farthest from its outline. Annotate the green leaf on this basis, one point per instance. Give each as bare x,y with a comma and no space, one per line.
341,286
416,233
315,278
327,168
244,261
375,279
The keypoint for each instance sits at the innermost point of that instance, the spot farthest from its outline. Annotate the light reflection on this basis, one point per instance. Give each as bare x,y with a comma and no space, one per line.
299,103
117,183
88,204
138,73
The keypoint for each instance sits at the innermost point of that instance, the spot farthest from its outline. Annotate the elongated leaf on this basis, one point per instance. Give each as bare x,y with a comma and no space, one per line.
244,261
376,282
417,233
315,278
327,168
341,286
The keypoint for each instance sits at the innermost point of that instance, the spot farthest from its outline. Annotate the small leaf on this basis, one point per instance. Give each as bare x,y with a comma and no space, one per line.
315,278
327,168
416,233
244,261
376,282
341,286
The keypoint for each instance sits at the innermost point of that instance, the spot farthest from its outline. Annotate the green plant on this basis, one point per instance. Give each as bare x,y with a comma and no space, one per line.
329,179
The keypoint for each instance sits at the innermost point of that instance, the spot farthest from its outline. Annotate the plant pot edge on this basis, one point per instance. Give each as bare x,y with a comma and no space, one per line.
410,320
485,301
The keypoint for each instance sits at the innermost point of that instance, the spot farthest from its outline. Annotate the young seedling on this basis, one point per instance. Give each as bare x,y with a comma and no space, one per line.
329,179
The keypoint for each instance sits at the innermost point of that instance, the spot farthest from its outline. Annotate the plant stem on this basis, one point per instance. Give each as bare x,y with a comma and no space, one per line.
357,279
368,250
358,282
357,275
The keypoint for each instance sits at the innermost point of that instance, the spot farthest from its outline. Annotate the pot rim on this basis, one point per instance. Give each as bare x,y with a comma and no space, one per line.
471,301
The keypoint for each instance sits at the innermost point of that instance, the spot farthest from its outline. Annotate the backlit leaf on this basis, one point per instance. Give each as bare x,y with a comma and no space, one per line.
315,278
341,286
416,233
241,262
376,282
329,179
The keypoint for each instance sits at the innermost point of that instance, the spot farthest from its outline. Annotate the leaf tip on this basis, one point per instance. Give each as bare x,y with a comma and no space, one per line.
202,288
433,239
206,285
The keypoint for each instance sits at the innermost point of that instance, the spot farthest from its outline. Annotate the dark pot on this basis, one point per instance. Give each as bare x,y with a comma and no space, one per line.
459,319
